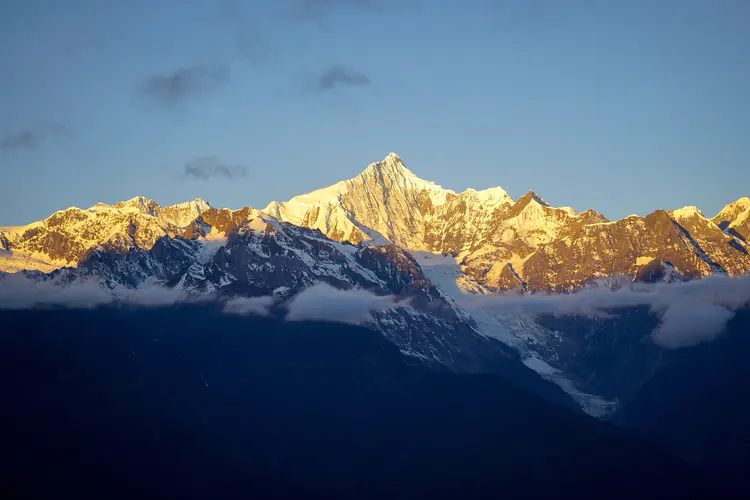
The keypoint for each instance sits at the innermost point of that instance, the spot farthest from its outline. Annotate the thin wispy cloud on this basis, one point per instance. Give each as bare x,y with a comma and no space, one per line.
23,139
331,80
32,137
17,291
210,167
176,87
249,306
322,302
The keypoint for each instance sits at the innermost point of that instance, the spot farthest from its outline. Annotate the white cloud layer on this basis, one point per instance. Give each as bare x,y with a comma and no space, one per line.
323,302
691,312
19,292
246,306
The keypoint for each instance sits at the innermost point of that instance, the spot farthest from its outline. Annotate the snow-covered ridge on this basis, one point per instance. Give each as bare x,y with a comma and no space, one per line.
180,214
499,241
68,236
685,212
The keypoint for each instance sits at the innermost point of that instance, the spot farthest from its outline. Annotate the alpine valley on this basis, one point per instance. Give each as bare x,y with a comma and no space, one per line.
392,233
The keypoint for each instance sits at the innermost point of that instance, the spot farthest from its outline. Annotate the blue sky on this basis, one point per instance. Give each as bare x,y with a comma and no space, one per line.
624,107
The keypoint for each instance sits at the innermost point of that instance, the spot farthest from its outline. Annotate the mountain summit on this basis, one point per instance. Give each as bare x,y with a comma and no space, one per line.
386,202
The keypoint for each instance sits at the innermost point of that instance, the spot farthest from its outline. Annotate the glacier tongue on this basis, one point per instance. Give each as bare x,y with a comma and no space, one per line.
517,331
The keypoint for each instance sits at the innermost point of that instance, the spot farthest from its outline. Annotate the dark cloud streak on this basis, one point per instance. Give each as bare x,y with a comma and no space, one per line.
209,167
32,138
170,89
337,75
24,139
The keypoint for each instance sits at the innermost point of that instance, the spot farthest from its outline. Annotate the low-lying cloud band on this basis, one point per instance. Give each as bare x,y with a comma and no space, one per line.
691,312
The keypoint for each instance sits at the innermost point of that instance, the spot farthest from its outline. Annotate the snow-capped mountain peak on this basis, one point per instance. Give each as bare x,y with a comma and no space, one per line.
393,178
393,169
180,214
198,203
686,212
731,212
137,204
68,236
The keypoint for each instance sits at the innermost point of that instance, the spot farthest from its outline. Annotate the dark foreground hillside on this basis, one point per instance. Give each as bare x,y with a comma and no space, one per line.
697,404
189,403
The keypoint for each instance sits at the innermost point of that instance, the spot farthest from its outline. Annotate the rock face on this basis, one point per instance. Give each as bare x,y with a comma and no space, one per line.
640,247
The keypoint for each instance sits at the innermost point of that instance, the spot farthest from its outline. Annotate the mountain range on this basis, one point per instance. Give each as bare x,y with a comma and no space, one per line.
392,234
498,243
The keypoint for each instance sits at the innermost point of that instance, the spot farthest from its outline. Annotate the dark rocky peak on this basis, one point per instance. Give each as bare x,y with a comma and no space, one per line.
390,262
177,249
403,275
